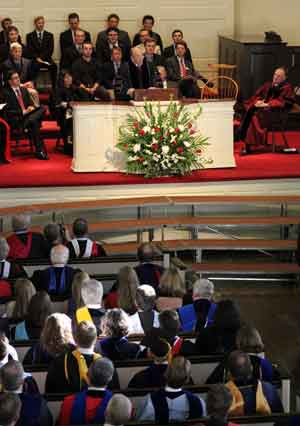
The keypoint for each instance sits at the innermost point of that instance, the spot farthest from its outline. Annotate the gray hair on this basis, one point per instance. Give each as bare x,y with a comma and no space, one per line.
101,372
92,292
20,221
203,288
4,249
14,46
119,410
59,254
145,297
12,376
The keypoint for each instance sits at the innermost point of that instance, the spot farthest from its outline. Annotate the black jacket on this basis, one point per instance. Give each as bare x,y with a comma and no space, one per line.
71,54
13,112
25,69
42,50
110,80
173,68
123,37
103,51
66,40
156,36
169,51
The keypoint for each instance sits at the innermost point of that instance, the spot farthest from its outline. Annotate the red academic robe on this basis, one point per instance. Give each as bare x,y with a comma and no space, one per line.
281,96
5,140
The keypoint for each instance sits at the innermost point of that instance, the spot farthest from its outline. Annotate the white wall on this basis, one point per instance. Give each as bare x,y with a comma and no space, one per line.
253,17
200,20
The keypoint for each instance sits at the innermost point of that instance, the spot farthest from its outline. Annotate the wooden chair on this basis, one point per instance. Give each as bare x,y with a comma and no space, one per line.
275,120
222,69
220,88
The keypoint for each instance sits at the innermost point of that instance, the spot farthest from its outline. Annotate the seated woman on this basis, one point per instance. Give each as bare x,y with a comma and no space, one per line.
171,290
17,309
39,309
123,293
56,339
115,345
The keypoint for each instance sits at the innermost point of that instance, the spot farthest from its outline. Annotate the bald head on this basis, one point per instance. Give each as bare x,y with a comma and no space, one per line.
12,376
20,222
59,255
4,249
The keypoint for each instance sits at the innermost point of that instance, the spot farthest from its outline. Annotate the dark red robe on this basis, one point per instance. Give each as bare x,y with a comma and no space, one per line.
4,141
281,96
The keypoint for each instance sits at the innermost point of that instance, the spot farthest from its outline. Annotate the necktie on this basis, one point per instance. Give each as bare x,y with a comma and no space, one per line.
40,38
182,68
117,67
20,99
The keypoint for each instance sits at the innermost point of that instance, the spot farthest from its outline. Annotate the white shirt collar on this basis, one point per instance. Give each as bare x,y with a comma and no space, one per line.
96,388
95,306
168,389
58,265
86,351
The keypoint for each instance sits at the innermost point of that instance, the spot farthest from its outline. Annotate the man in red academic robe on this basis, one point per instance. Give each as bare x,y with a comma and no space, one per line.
276,94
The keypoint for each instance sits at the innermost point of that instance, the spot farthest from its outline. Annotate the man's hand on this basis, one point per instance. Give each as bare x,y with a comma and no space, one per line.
39,60
261,104
130,92
28,110
28,85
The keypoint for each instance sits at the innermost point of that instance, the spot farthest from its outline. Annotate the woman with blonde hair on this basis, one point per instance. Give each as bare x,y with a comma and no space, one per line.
171,290
123,294
56,339
76,301
24,290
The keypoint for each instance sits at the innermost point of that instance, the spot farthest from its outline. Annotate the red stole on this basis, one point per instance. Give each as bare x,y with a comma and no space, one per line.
18,250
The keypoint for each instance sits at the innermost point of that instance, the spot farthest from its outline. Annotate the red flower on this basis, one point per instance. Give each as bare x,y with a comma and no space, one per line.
157,129
190,125
141,159
136,125
155,147
174,143
180,149
141,132
199,151
167,134
177,130
192,131
161,138
125,146
176,114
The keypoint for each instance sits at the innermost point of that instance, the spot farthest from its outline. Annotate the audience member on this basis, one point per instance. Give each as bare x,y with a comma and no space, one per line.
57,279
23,243
172,403
119,411
10,409
68,38
56,338
152,60
8,351
218,403
104,49
86,75
113,21
13,36
24,291
8,270
53,237
148,24
123,294
34,410
74,51
144,35
21,113
76,302
91,295
115,345
40,44
177,36
171,290
278,93
68,372
147,271
146,316
89,405
6,23
115,76
153,376
250,396
138,69
200,313
81,246
39,309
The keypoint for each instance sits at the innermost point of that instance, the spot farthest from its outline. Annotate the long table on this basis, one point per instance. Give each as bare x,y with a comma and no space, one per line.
96,129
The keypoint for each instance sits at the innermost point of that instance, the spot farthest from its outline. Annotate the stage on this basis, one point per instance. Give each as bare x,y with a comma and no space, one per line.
28,180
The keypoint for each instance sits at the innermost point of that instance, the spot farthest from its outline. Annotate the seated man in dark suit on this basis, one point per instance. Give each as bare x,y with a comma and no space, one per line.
147,271
23,243
250,396
81,246
57,279
181,71
142,73
148,24
153,61
20,112
5,24
177,36
73,52
277,93
40,45
13,36
143,36
8,270
103,49
25,68
116,76
113,21
86,75
67,38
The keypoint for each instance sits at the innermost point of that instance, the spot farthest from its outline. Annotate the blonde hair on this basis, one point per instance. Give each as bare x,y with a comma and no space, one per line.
57,334
79,279
249,340
171,284
24,290
128,283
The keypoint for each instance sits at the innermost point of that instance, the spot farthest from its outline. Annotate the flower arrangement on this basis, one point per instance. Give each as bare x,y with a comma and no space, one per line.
159,142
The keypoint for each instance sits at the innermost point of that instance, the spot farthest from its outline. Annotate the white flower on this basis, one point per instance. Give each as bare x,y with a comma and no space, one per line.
152,132
137,147
147,129
130,158
148,152
171,130
165,149
187,144
145,163
181,127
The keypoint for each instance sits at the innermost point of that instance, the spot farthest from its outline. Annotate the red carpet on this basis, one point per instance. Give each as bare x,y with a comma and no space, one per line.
26,171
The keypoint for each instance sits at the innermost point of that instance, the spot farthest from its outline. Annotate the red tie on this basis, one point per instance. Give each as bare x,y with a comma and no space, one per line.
20,99
182,68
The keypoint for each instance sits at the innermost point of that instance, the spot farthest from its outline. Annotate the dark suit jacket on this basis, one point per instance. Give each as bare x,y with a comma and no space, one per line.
66,41
123,37
103,52
26,71
3,39
41,280
70,56
170,51
154,35
43,50
110,79
173,68
139,76
13,112
4,51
